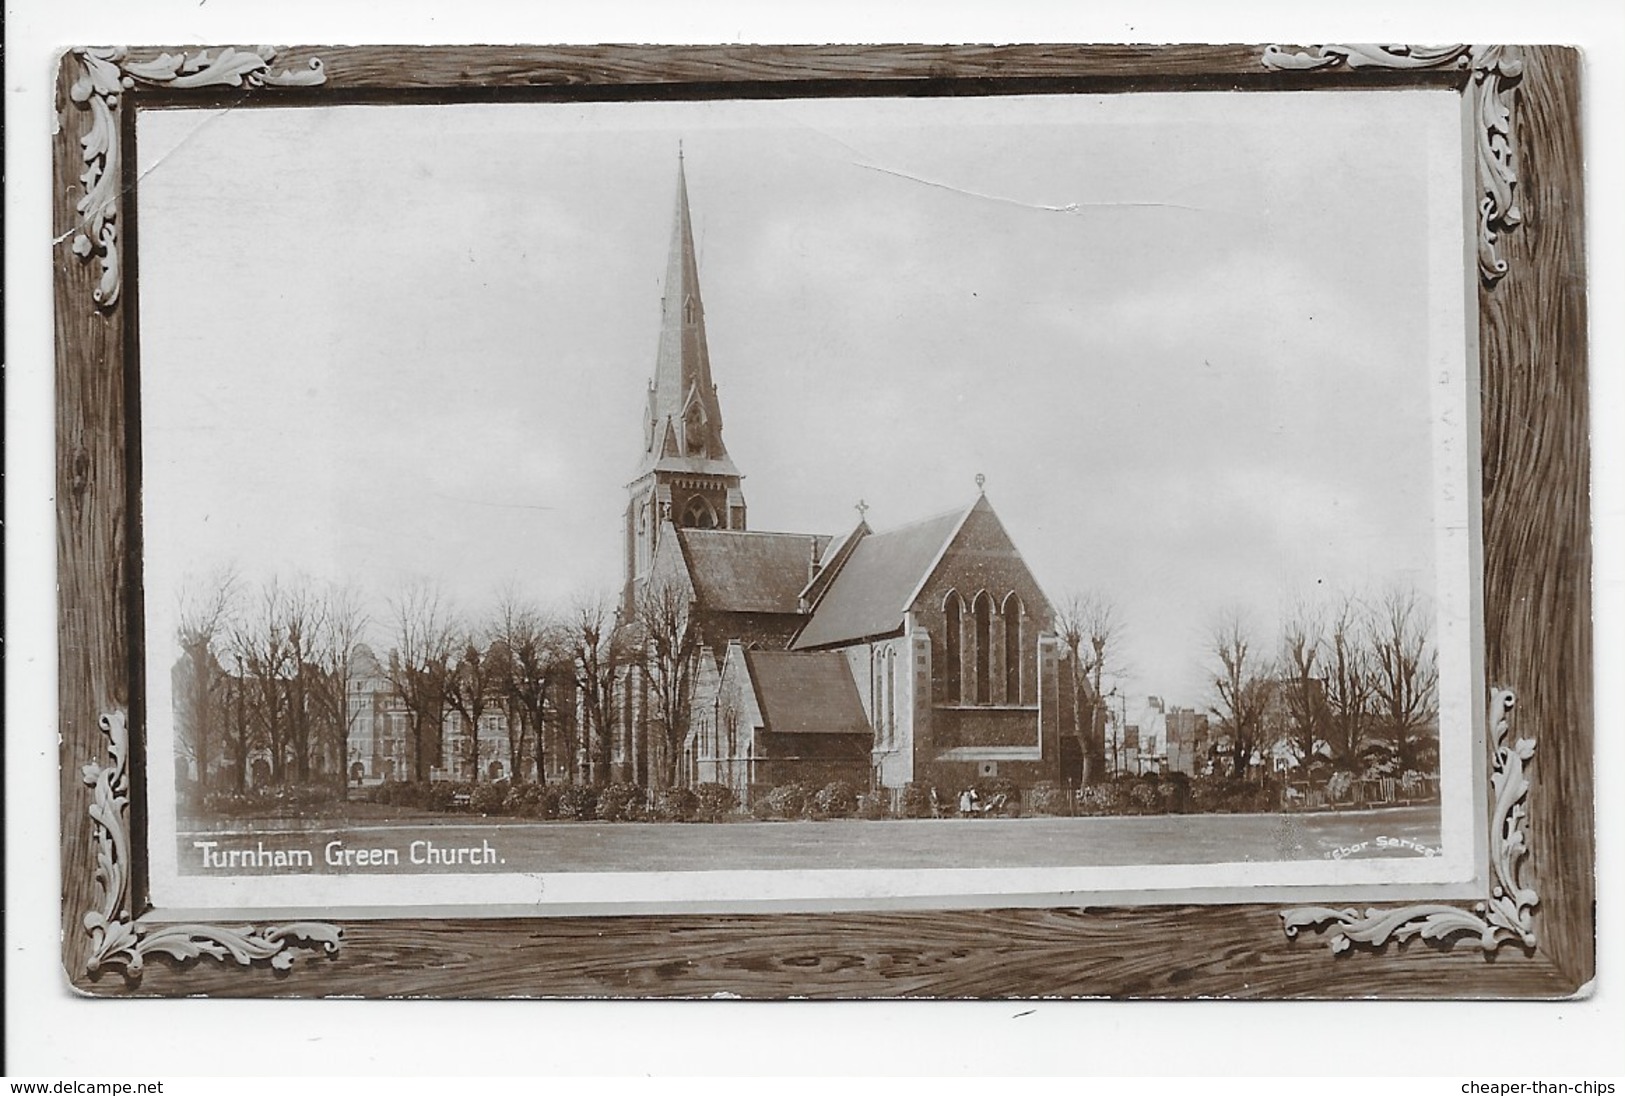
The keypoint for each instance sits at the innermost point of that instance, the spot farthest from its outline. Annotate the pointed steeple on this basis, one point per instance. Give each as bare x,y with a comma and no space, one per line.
685,478
684,416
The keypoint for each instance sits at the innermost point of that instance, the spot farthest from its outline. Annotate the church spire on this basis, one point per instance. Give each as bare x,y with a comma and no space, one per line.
685,419
685,479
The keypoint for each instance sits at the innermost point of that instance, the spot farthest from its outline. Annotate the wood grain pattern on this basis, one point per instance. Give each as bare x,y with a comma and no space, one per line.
1537,548
1536,588
93,557
1170,952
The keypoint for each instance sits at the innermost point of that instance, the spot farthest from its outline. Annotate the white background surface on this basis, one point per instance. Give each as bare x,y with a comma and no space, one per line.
48,1031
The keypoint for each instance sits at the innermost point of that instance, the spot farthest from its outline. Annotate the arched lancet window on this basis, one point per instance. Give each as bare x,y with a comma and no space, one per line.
1014,656
699,514
877,698
953,611
891,696
983,611
644,551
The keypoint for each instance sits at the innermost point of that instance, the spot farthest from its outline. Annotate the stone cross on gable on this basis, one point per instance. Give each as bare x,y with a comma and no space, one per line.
862,508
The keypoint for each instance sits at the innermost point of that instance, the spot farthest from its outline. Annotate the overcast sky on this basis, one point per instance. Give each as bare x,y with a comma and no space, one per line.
1191,340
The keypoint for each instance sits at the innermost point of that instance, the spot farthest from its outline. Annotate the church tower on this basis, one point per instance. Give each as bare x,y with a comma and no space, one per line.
685,476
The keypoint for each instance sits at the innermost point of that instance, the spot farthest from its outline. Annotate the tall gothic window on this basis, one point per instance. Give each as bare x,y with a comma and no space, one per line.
891,696
984,648
877,699
953,611
1013,654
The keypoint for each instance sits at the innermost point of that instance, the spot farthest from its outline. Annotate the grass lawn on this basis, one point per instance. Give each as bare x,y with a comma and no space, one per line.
526,846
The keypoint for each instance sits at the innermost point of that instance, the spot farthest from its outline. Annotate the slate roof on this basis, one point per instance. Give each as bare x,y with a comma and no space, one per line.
870,593
742,572
806,693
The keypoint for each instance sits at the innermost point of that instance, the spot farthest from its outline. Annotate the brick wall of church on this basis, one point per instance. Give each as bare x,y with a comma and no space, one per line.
981,560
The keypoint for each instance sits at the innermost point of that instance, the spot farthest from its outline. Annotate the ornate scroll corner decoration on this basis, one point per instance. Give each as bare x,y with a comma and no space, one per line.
1496,73
118,941
1506,915
105,75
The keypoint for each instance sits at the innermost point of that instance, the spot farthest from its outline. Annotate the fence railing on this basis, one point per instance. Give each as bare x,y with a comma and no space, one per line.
1374,792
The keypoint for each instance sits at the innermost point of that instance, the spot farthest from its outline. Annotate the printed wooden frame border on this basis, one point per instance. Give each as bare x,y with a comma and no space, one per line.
1523,106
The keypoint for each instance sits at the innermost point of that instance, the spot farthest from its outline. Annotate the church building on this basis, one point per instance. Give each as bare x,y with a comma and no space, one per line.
917,654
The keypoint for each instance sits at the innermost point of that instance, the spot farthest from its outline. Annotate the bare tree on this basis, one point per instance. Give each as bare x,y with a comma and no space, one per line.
1405,674
264,663
1302,690
417,666
240,726
1089,625
470,690
1349,686
345,622
304,624
663,633
596,658
1242,688
531,670
203,617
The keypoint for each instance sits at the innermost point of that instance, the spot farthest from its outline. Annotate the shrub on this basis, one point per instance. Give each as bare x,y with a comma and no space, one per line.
231,804
278,801
521,797
874,805
837,799
535,801
1103,798
915,802
1176,792
1207,793
1378,760
443,796
307,795
1340,786
621,803
676,805
490,798
1046,797
788,800
413,794
761,809
716,800
1145,796
401,793
578,802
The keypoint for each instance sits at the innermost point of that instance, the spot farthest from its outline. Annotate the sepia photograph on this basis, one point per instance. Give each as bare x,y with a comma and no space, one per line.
829,502
831,521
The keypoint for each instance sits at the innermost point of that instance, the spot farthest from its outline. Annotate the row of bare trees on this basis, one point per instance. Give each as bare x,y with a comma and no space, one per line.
266,671
518,661
270,670
1347,678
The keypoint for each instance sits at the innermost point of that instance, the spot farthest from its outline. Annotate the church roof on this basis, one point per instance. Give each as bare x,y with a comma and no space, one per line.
806,693
736,571
870,593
